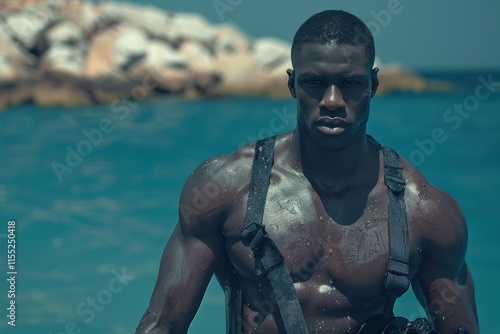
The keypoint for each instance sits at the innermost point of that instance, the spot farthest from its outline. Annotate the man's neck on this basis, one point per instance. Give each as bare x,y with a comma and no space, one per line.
333,171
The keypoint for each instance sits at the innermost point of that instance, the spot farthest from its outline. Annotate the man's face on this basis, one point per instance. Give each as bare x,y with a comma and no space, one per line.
333,85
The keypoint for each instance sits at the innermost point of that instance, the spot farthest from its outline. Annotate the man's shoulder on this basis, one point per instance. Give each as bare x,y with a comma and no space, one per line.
211,189
424,196
432,211
223,175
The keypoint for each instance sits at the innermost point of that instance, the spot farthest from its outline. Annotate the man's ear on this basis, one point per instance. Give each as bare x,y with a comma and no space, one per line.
375,82
291,82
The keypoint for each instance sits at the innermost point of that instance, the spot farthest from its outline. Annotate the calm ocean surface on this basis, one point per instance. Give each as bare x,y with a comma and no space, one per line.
110,214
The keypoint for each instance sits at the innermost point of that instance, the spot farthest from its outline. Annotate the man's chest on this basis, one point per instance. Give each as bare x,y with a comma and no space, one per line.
322,239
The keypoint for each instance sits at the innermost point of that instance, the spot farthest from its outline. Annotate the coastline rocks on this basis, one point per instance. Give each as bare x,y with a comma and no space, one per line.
28,25
15,63
270,52
395,78
192,27
64,33
17,71
66,53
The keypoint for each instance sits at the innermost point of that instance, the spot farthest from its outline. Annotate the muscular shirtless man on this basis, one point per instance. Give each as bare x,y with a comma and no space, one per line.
326,210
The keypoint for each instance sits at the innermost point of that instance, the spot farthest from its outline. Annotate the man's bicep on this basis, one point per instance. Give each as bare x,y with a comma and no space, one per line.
449,299
192,252
186,267
443,280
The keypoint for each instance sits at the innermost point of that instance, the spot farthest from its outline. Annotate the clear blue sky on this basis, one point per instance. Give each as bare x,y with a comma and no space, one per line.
422,34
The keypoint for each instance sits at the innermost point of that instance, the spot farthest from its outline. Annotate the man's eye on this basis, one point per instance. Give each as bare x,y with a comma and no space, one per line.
314,82
351,82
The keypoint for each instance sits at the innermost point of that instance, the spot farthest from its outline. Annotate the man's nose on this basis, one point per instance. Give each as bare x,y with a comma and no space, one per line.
332,99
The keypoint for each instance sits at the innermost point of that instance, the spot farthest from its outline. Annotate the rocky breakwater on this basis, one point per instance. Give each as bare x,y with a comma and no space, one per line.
66,53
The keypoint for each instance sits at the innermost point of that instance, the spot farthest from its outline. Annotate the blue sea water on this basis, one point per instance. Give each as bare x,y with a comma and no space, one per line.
110,214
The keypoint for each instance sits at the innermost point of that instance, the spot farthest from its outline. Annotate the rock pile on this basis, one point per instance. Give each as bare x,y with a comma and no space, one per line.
66,53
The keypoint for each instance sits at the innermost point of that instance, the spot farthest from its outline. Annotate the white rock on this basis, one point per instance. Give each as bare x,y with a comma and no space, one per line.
63,59
129,47
155,22
15,63
27,25
202,66
164,69
228,39
114,55
269,52
193,27
64,33
164,55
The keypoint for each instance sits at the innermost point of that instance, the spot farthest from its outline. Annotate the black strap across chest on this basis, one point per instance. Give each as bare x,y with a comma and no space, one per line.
397,279
269,260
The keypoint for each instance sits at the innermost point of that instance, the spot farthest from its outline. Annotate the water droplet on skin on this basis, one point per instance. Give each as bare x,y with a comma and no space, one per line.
324,289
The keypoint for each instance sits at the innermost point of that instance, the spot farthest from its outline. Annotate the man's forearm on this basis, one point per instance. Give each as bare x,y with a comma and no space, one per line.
150,324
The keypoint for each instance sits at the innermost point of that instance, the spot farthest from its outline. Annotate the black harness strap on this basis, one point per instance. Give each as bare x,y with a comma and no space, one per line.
398,268
268,258
232,291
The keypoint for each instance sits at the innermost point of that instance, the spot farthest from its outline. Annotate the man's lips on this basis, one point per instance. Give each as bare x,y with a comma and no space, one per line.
331,126
332,122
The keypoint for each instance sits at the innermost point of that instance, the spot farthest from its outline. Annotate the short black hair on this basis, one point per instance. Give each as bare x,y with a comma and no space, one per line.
335,26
